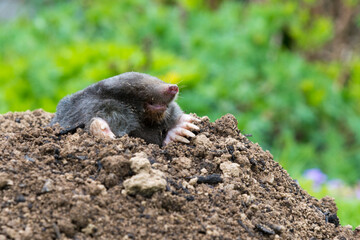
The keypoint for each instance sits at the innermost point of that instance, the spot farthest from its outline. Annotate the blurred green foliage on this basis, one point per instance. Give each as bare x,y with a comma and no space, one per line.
239,57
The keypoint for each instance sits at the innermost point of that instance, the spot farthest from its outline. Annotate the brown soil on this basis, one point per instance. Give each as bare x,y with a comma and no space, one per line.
220,186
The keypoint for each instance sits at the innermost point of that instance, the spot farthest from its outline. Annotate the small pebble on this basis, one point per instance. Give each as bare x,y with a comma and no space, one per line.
48,186
20,198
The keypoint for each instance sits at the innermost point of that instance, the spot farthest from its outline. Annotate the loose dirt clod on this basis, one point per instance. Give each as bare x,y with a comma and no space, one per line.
230,169
57,185
147,181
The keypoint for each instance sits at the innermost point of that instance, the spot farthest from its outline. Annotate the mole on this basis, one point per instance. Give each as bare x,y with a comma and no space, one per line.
131,103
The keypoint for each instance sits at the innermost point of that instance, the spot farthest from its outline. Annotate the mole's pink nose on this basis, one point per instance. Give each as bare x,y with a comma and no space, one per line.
172,90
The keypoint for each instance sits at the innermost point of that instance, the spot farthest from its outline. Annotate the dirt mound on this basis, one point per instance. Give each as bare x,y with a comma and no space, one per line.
55,184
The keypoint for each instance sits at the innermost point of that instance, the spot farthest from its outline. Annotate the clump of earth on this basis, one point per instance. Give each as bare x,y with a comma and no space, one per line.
58,184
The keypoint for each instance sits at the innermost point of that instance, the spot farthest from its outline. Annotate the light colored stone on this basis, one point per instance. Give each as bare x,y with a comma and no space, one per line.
188,185
193,181
145,183
230,169
140,163
48,186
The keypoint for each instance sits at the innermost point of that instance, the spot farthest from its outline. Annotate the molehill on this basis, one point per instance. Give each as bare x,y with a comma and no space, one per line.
56,184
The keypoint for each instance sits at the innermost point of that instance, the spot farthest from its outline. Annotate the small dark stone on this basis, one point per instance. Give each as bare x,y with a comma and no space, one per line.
173,183
190,198
99,165
253,161
131,236
332,218
20,198
202,230
147,216
210,179
141,209
152,160
18,120
178,186
230,149
57,151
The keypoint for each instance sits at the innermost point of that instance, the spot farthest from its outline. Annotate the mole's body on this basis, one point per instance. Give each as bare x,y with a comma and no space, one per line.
131,103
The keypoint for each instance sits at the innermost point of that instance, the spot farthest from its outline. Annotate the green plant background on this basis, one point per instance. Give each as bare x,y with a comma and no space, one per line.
226,56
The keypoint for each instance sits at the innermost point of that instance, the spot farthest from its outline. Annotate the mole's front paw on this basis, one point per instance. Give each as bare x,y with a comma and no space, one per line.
182,129
100,128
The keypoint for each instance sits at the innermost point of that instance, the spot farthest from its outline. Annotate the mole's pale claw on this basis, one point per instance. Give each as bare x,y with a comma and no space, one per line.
179,138
190,126
172,135
188,118
186,133
182,130
194,119
177,134
100,128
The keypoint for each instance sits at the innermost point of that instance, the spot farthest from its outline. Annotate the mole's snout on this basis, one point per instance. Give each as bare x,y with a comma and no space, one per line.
172,90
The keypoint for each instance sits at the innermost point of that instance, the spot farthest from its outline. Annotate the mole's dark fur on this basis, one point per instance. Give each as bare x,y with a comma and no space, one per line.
128,102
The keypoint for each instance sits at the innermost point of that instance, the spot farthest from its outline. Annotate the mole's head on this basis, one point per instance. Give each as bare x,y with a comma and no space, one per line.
149,95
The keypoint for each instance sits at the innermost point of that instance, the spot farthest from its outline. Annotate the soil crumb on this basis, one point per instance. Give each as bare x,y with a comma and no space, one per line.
56,184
